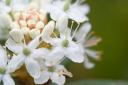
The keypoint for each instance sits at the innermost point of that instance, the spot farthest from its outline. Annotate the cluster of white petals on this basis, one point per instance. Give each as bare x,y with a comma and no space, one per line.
41,43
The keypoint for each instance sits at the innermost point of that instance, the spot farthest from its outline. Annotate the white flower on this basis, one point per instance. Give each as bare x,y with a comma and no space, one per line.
47,31
14,5
31,21
64,46
19,5
74,11
41,3
85,41
4,70
5,26
56,73
4,8
25,53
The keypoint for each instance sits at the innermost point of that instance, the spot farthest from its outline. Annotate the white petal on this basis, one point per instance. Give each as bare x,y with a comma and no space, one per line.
78,18
44,77
56,13
15,63
19,5
75,53
55,57
4,8
88,64
5,22
32,67
34,33
40,53
93,41
16,35
43,2
47,7
3,57
13,46
62,23
58,79
55,41
78,12
48,30
63,71
7,80
35,42
84,9
83,31
93,54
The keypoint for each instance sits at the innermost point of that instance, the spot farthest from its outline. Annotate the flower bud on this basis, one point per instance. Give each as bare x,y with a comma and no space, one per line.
5,26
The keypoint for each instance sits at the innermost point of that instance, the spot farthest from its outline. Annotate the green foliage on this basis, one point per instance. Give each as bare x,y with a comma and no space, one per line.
98,82
109,19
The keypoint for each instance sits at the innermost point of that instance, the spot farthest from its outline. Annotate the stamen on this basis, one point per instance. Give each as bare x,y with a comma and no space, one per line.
72,25
75,30
60,61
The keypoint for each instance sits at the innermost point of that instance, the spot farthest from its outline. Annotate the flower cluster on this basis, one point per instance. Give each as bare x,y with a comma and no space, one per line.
40,38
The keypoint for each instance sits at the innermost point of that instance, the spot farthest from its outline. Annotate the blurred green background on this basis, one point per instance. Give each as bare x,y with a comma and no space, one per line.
109,19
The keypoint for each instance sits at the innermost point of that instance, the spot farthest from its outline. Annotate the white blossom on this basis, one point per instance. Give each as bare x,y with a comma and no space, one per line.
42,43
64,46
74,11
5,26
5,75
85,40
4,8
24,53
55,73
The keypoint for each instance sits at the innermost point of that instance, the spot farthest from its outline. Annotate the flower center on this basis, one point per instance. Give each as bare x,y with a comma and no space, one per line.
30,19
2,70
51,69
26,51
65,43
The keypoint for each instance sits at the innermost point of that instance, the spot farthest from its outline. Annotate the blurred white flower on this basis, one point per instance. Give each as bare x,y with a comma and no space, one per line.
4,8
24,53
85,40
4,70
19,5
76,11
5,26
42,43
64,46
55,73
31,21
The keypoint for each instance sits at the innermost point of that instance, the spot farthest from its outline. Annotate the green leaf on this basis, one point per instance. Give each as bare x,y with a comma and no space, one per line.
98,82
